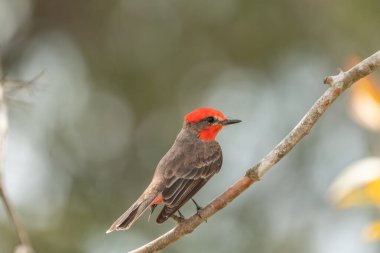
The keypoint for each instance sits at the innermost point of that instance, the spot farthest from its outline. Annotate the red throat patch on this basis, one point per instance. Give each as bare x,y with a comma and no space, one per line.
209,133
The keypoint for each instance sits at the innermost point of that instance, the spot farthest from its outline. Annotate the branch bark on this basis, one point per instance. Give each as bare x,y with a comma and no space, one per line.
338,84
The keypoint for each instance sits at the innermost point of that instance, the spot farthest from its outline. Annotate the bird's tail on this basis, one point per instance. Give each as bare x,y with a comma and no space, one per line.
132,214
166,213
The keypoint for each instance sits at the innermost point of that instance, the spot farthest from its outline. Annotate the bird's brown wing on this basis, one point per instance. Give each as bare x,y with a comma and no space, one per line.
188,176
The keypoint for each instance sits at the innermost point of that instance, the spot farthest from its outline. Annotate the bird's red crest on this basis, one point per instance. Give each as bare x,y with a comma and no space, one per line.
201,113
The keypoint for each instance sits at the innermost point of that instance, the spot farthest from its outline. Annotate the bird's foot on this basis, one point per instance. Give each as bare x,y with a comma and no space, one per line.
180,214
198,209
180,218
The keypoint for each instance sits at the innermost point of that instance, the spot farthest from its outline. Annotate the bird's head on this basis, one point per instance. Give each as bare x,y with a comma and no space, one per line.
207,122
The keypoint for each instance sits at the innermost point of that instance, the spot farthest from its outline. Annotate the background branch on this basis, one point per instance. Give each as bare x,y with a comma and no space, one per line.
25,245
337,84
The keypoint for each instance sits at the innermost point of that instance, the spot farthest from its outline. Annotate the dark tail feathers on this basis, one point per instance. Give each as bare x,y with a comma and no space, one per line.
132,214
166,213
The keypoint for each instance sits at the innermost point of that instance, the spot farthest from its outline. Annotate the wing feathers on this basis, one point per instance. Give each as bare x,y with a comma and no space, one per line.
190,175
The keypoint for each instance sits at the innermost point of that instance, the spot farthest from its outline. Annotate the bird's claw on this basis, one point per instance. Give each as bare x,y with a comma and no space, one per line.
180,218
200,216
180,214
196,204
198,210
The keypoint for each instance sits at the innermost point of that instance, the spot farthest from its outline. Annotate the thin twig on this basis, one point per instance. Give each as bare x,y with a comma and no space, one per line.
337,84
21,232
13,85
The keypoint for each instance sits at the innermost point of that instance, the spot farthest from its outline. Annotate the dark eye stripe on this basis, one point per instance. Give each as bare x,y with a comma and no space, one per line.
210,119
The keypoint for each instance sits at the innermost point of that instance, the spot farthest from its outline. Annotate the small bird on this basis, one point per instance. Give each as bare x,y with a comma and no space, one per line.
192,160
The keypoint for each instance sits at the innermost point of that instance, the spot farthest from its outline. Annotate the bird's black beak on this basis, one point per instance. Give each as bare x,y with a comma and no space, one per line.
230,121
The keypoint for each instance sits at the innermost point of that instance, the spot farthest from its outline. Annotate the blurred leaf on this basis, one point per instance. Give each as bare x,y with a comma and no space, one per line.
358,184
372,232
24,249
372,190
365,103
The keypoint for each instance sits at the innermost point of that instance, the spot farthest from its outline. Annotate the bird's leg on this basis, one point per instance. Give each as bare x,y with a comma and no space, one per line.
179,218
180,214
196,204
198,208
152,207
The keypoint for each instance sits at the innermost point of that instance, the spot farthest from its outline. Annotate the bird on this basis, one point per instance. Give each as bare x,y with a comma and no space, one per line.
192,160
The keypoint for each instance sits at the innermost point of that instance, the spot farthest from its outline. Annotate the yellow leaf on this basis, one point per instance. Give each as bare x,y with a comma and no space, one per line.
364,103
372,232
372,190
358,184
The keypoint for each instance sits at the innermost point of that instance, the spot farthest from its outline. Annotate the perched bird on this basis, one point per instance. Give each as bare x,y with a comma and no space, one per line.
192,160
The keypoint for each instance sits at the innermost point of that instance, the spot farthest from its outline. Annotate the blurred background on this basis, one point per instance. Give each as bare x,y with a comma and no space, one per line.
119,75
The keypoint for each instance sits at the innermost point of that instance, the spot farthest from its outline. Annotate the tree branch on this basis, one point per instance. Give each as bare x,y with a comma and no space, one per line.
337,84
25,245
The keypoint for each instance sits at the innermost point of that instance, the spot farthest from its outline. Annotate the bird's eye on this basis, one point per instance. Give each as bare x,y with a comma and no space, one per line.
210,120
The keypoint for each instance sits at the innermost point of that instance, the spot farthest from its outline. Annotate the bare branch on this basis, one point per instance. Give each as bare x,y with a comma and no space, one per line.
337,84
11,85
21,232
